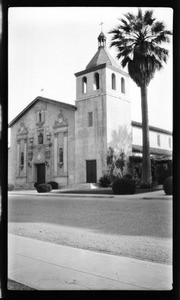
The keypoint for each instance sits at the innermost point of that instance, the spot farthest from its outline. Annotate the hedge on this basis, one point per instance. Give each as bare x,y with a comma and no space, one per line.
54,185
104,181
10,187
43,188
168,186
122,186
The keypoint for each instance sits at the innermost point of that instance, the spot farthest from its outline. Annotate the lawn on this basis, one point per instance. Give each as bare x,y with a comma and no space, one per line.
16,286
108,191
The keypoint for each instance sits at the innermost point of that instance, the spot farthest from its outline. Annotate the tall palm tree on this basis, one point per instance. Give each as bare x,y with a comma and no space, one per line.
137,40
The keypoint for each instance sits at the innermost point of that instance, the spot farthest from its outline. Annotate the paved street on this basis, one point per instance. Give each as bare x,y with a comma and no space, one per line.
126,226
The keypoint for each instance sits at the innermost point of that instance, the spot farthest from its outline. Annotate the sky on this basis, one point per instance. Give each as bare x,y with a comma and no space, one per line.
47,45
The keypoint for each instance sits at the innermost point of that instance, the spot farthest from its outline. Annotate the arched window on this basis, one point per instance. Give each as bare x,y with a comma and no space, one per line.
122,85
113,77
40,138
158,140
22,159
61,156
96,81
84,84
40,117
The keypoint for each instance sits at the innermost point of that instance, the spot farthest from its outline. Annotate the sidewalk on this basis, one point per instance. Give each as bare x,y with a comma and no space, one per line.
46,266
62,192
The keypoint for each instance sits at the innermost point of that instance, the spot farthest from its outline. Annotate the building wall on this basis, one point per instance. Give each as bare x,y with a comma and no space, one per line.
90,84
164,139
119,131
90,141
64,132
111,119
117,92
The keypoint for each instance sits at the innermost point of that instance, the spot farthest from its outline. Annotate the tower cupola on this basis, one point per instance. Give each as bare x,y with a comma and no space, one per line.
101,40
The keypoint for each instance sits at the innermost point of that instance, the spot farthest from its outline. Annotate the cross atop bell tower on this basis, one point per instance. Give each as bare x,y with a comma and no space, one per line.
101,25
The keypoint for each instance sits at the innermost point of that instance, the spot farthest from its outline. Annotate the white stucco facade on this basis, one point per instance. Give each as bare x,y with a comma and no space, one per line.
158,139
56,141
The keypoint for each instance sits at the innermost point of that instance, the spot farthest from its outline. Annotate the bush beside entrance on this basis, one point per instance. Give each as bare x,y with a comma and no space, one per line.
53,184
43,188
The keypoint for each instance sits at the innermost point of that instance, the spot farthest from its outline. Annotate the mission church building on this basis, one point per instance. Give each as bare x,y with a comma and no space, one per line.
56,141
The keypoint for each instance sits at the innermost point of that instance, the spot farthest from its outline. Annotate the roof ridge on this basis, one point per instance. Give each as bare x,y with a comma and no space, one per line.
151,127
100,57
40,98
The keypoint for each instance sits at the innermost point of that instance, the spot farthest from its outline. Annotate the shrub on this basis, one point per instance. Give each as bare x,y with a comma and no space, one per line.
122,186
104,181
162,173
168,186
10,187
54,185
36,184
145,186
128,176
43,188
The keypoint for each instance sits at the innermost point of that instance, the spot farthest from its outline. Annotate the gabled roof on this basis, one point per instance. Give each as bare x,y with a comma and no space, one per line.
153,128
102,57
47,100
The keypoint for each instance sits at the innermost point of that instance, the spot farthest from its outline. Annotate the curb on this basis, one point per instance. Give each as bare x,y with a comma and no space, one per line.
65,195
134,196
158,198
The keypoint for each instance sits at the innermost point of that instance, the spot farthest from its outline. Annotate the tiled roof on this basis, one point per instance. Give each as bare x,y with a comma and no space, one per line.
156,151
153,128
102,56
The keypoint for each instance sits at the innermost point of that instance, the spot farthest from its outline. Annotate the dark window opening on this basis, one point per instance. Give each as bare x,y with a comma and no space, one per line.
22,159
90,119
84,85
96,81
61,155
40,117
122,85
40,138
113,81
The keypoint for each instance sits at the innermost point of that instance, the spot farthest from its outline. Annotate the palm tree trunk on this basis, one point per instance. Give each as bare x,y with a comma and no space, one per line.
146,162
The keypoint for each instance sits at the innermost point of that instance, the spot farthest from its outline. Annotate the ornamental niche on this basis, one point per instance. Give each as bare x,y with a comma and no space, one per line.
40,109
22,131
61,121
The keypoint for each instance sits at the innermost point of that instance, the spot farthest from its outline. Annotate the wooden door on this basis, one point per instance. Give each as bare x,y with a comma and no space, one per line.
91,171
41,173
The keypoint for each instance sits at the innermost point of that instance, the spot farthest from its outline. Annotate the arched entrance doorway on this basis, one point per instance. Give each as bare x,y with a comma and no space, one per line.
41,175
40,167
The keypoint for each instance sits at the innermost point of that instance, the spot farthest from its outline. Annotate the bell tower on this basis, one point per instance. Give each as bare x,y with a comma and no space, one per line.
102,117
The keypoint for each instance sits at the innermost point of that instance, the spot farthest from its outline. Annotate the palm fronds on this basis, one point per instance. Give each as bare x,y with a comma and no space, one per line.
137,40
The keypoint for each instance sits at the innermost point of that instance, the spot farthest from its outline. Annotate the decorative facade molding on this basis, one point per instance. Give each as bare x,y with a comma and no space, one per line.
30,155
40,106
61,121
22,132
47,154
39,158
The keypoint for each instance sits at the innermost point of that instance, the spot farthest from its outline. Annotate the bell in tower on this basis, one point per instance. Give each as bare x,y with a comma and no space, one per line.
101,40
103,111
